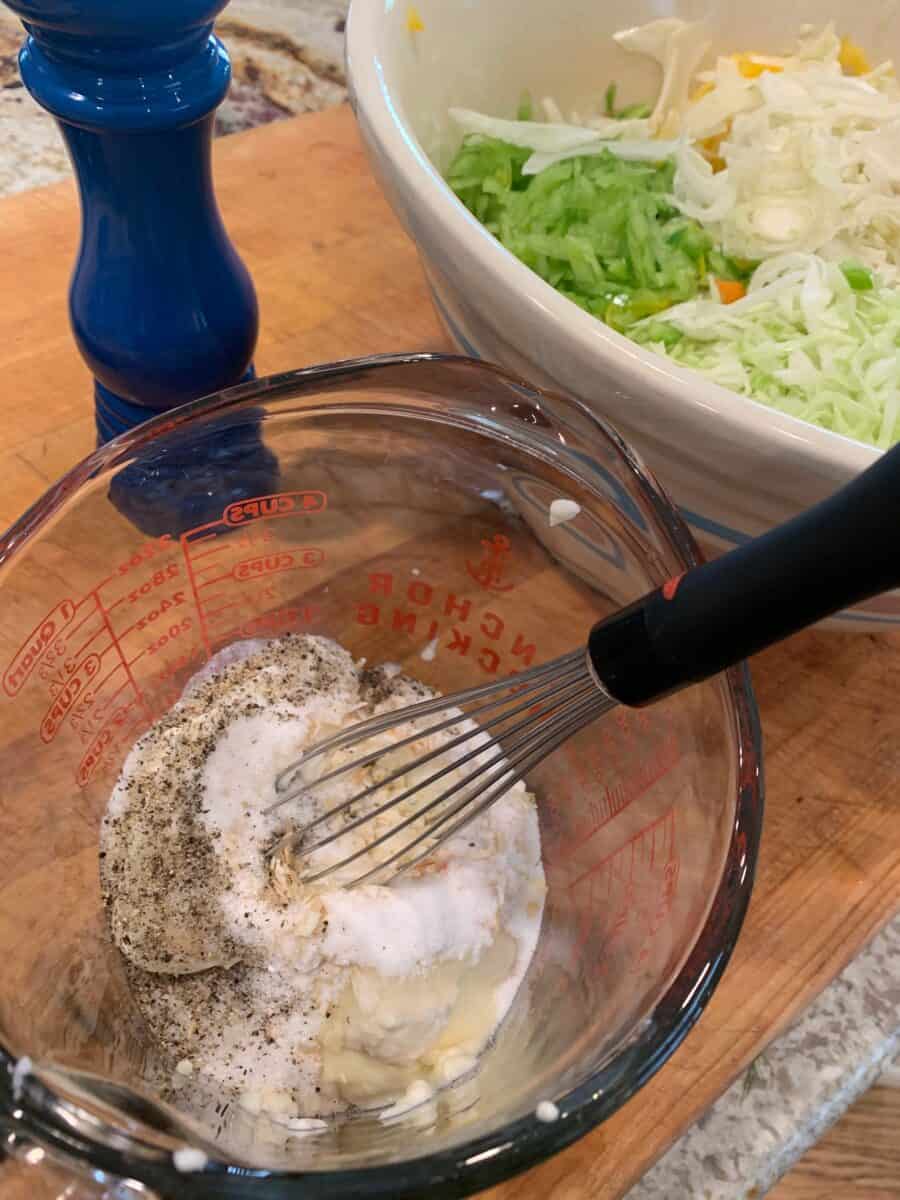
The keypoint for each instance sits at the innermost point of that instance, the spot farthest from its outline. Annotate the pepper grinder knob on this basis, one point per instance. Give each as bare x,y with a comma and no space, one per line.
162,308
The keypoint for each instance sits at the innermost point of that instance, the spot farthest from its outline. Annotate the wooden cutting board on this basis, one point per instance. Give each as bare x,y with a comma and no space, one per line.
338,278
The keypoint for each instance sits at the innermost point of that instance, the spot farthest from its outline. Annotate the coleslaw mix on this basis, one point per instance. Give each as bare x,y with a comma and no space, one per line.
780,283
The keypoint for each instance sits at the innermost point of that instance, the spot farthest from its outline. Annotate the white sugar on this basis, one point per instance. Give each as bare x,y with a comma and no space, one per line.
335,997
398,930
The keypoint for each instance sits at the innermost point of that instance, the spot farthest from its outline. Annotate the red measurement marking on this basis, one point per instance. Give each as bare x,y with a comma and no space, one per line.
98,687
119,690
284,560
175,630
208,553
19,670
192,580
179,663
86,714
630,892
215,612
212,582
252,537
144,554
84,645
137,691
91,759
227,635
271,623
62,703
87,616
488,572
208,600
203,573
93,756
159,577
104,582
664,825
54,672
164,606
616,797
280,504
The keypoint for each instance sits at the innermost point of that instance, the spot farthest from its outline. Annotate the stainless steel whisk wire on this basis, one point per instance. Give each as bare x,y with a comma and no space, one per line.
689,629
558,698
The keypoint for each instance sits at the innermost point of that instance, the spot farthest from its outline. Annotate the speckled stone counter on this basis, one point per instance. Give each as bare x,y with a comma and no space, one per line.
794,1090
288,59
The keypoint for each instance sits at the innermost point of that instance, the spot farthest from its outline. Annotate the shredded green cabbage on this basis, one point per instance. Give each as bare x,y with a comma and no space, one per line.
630,112
811,338
601,230
790,161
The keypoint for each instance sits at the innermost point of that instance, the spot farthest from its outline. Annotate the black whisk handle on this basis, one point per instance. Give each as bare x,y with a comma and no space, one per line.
841,551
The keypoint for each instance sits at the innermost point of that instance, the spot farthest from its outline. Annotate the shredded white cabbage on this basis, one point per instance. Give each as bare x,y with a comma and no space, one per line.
546,136
788,161
630,151
679,47
811,155
801,340
553,142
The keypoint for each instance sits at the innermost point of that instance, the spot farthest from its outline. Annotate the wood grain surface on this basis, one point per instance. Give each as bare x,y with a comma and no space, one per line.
338,278
859,1159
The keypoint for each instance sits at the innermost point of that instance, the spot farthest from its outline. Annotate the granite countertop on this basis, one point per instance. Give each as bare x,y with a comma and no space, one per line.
799,1086
288,58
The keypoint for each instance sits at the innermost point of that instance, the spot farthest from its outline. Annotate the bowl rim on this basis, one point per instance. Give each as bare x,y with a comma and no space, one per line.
740,417
79,1138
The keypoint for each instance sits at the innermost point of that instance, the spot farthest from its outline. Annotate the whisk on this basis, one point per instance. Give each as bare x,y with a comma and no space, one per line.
832,556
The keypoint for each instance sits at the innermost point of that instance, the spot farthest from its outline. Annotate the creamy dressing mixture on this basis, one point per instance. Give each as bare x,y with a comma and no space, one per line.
300,1000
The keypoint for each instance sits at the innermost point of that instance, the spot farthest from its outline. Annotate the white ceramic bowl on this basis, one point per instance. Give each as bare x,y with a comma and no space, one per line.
734,466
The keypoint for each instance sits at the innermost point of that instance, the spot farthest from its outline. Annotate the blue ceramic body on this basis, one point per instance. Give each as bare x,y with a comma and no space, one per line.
162,307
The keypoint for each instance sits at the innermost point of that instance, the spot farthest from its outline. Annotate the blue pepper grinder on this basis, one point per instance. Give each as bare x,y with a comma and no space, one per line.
162,308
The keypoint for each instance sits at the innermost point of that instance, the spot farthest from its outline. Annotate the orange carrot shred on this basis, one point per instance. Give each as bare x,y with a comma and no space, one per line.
730,290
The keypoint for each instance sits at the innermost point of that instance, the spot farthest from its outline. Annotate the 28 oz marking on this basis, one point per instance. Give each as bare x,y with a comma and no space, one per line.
157,578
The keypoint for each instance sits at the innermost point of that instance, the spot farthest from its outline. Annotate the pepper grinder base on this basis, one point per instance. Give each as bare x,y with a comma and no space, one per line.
114,415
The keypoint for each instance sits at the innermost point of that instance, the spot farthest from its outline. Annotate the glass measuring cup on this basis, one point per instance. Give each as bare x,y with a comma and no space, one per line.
382,503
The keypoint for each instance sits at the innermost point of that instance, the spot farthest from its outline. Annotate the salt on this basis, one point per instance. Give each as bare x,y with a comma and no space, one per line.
403,958
397,930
